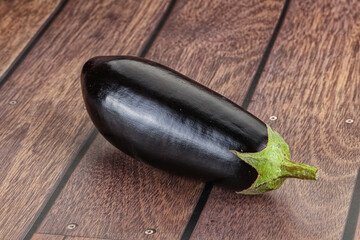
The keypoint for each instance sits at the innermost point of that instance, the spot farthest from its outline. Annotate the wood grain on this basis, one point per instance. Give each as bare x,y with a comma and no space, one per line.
19,21
39,236
311,84
112,196
82,238
218,43
43,120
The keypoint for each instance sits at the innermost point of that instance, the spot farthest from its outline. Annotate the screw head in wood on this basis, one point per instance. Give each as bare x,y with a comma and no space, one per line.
71,226
349,120
13,102
150,231
273,118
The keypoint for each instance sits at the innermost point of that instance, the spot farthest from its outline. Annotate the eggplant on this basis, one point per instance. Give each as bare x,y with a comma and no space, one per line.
165,119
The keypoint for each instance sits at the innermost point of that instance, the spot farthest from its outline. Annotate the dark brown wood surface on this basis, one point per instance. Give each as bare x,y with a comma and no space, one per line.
83,238
19,21
43,120
311,84
218,43
112,196
38,236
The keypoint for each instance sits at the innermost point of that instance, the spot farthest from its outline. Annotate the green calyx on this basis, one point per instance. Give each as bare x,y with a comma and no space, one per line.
274,166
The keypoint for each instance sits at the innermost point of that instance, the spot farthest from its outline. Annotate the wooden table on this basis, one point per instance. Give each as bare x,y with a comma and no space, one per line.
296,60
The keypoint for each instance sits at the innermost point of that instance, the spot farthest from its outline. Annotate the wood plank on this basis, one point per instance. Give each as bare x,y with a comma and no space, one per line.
110,195
82,238
19,22
312,85
44,126
39,236
218,43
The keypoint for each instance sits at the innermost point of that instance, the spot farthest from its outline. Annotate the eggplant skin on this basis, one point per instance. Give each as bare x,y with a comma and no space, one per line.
171,122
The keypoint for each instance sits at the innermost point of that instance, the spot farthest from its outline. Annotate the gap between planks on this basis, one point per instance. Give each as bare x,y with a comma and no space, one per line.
21,56
249,93
93,133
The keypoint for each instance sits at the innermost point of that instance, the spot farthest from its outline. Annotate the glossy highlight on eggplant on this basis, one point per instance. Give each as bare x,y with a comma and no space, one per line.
165,119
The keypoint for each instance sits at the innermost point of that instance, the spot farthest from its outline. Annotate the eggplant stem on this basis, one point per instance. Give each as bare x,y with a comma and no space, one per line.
273,165
299,170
